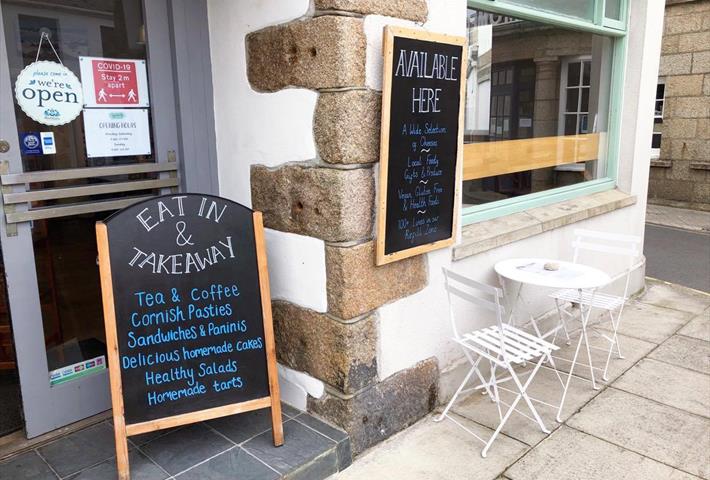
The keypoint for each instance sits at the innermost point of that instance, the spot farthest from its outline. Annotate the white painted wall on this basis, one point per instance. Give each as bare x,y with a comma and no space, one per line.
274,128
267,129
418,327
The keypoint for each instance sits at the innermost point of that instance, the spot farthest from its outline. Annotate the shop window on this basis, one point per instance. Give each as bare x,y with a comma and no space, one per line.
583,9
537,108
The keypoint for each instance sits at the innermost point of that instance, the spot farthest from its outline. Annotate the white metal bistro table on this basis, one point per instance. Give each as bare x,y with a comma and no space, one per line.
531,271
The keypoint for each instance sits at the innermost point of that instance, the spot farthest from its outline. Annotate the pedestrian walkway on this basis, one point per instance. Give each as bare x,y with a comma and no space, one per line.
651,420
684,218
238,446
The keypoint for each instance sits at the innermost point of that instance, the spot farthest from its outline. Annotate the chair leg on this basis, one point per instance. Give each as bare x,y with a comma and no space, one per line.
474,368
561,313
523,391
484,452
585,320
614,342
522,395
569,378
616,328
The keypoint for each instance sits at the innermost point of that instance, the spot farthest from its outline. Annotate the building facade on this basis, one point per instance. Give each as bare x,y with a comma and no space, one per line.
277,105
680,155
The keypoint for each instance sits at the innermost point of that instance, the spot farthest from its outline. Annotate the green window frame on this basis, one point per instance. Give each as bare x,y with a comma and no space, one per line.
616,29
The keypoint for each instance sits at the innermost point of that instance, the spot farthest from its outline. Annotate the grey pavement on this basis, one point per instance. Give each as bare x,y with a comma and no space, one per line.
682,218
677,246
650,420
237,446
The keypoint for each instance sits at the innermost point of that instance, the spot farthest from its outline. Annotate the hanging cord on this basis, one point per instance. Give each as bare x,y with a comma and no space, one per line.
39,47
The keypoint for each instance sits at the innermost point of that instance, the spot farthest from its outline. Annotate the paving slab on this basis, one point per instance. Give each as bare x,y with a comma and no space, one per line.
677,217
674,296
650,322
698,327
302,447
632,348
546,387
436,451
179,450
140,466
666,434
78,450
571,454
225,465
27,466
668,384
684,352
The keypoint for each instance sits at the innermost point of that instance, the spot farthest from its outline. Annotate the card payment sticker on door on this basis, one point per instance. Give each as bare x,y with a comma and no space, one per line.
48,145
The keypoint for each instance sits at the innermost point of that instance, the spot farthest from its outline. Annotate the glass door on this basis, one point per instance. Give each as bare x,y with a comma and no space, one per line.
80,137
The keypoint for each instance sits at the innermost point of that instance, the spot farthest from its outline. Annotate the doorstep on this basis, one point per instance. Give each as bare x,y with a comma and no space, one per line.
239,444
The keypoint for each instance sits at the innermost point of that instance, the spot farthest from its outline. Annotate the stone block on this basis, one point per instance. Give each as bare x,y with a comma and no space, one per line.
694,42
347,126
684,86
670,44
321,52
701,192
384,409
343,355
356,285
706,84
676,64
688,107
690,150
682,24
701,62
703,130
679,128
415,10
332,204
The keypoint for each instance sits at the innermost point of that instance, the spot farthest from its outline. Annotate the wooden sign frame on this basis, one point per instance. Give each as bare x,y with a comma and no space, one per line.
122,430
390,32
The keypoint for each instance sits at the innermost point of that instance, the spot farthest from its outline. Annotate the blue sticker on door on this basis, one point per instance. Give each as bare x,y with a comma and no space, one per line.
30,143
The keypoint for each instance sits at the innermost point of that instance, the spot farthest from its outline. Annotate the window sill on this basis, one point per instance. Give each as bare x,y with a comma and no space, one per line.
487,235
656,162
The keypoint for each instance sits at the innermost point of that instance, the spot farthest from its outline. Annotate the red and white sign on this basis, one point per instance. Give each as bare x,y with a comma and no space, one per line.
113,82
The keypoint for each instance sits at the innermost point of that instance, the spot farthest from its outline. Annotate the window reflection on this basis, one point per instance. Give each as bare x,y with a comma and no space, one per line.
536,107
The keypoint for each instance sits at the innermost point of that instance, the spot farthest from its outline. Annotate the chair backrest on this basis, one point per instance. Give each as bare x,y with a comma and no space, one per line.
479,294
609,243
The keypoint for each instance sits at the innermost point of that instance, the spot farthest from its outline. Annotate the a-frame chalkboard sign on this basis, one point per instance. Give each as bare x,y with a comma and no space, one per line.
187,310
421,142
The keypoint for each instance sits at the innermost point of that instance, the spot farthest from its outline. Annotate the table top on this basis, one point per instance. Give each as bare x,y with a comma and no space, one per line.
569,275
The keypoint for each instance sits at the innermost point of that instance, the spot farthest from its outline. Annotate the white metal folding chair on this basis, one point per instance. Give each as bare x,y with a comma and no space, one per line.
503,345
608,243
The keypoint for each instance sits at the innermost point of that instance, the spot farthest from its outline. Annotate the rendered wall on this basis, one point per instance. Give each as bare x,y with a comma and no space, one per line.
280,143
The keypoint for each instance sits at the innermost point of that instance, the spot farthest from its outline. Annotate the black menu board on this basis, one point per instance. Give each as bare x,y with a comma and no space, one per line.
190,329
421,142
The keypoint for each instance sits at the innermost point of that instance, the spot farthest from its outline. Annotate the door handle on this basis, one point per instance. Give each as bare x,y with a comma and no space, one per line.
4,146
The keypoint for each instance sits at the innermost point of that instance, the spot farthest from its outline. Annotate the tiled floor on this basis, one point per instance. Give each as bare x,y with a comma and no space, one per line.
238,445
650,420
